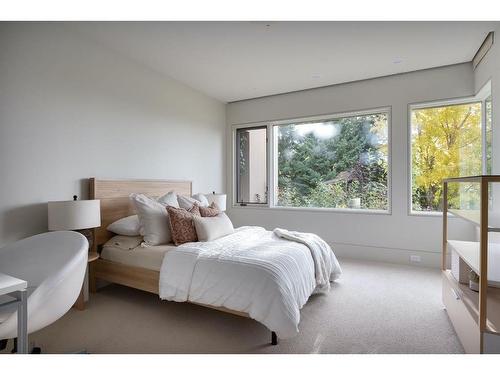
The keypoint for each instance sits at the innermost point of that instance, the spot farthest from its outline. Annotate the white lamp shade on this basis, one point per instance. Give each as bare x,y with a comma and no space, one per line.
74,215
219,199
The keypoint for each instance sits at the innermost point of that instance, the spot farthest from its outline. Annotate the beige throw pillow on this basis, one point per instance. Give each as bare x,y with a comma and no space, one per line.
211,228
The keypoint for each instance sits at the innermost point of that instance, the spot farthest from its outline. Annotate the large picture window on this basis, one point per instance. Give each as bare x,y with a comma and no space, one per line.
446,141
335,162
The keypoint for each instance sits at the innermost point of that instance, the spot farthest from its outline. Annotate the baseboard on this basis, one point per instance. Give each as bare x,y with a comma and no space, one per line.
389,255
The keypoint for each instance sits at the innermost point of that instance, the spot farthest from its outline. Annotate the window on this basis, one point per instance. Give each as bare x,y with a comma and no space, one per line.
446,141
488,134
251,165
333,162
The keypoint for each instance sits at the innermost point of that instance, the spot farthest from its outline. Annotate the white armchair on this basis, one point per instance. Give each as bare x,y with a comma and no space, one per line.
54,264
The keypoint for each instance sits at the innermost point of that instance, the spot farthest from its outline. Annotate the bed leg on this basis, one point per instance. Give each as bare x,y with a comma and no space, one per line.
274,338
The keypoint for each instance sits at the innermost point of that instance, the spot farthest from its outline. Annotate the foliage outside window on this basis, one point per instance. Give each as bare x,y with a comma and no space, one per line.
445,142
333,163
488,131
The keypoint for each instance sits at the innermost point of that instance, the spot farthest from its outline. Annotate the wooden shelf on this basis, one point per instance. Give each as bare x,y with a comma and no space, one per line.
471,302
475,316
474,217
469,251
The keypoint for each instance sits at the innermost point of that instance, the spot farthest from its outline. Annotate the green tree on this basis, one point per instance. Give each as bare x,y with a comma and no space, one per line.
327,171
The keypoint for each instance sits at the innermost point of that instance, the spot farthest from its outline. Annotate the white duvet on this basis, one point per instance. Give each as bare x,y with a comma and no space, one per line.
253,271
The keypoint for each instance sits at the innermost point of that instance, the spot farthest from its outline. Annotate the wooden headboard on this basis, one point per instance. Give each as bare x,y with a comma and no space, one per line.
115,202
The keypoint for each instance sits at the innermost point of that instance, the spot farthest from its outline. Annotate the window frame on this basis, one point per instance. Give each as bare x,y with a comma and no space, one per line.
272,160
235,160
483,95
480,97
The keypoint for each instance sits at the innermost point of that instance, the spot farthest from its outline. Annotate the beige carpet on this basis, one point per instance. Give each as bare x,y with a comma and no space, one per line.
374,308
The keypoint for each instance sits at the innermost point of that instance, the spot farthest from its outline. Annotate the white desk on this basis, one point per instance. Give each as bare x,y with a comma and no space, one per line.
16,288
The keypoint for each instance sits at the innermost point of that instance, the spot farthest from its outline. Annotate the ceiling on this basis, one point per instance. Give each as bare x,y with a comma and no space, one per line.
233,61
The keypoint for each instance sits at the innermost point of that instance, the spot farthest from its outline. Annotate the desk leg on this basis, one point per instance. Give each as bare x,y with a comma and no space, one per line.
22,324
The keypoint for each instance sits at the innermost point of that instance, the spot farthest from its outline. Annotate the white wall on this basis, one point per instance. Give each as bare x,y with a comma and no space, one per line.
489,69
382,237
71,109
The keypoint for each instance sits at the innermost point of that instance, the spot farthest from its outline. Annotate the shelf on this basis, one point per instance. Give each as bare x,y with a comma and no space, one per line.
472,216
469,251
471,302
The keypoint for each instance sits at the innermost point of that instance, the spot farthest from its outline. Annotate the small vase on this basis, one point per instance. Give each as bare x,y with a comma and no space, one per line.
354,203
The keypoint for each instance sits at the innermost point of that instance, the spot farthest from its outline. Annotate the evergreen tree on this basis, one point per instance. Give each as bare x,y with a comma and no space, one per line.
310,166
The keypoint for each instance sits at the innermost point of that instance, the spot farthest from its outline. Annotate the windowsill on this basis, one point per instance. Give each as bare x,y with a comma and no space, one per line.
425,213
315,209
437,214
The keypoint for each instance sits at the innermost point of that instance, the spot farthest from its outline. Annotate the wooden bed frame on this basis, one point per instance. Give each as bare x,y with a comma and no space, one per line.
115,204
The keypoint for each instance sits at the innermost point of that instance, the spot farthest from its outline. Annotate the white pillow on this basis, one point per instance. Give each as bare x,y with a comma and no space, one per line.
202,199
187,202
211,228
169,199
153,217
127,226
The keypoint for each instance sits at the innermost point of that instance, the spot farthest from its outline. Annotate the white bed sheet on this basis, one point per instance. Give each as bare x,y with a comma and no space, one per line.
149,257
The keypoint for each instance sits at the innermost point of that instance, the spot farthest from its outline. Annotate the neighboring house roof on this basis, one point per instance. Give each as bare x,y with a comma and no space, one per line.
344,176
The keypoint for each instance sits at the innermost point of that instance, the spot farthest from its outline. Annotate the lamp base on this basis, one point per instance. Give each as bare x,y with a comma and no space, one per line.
89,235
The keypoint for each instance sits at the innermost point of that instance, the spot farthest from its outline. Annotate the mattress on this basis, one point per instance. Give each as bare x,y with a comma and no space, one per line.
149,257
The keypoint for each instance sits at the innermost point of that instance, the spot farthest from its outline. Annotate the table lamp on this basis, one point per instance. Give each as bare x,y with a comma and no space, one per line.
218,199
78,215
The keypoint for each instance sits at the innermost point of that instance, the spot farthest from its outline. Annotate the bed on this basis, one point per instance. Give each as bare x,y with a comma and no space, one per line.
229,270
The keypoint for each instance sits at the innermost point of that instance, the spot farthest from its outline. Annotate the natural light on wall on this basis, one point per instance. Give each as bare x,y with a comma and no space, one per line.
333,162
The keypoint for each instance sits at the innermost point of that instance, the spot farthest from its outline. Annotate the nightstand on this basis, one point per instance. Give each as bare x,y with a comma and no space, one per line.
80,302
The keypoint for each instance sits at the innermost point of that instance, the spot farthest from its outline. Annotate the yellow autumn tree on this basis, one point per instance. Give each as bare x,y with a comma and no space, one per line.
446,142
